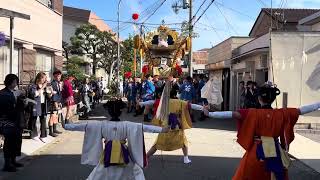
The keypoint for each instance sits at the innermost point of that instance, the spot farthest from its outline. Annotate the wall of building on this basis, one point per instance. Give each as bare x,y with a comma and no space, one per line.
316,27
220,52
294,56
258,43
44,27
69,28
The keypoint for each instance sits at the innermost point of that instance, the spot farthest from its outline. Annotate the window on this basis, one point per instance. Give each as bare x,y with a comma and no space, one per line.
5,62
44,63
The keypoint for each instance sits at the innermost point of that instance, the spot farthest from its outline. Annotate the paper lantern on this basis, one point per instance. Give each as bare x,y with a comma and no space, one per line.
145,69
178,69
135,16
128,74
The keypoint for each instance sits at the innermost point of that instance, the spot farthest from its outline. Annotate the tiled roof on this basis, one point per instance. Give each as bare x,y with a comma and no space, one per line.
76,14
291,15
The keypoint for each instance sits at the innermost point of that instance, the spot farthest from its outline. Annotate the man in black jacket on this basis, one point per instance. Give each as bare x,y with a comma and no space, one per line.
10,118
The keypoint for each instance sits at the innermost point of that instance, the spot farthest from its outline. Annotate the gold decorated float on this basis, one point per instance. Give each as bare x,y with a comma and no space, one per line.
162,51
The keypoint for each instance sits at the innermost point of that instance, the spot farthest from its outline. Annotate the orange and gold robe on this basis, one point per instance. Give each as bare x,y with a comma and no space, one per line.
262,122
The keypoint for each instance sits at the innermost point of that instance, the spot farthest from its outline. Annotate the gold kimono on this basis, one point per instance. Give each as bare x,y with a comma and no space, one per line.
175,138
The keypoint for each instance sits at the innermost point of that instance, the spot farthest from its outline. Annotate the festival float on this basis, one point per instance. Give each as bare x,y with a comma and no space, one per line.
162,51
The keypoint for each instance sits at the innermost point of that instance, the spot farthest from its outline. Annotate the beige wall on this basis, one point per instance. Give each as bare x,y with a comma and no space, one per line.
258,43
316,27
220,52
223,51
295,56
44,28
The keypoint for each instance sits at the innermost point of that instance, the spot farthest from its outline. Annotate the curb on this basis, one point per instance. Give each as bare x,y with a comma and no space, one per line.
308,131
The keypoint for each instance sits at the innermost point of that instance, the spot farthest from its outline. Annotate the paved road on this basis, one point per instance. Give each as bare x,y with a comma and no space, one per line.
214,154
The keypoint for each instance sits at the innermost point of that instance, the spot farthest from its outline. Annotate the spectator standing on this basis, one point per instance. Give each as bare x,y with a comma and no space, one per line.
41,94
138,85
188,92
158,85
10,123
148,91
250,96
131,94
242,96
67,95
56,103
86,91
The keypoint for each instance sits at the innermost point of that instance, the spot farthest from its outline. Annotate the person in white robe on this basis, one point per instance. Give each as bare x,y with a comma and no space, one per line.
123,156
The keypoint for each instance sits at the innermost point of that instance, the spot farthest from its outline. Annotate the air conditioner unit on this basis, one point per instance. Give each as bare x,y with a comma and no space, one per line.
263,62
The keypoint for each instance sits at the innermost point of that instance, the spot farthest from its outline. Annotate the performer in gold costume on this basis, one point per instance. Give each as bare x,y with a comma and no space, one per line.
172,113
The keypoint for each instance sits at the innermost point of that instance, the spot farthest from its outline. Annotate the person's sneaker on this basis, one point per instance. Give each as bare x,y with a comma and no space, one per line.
36,139
186,160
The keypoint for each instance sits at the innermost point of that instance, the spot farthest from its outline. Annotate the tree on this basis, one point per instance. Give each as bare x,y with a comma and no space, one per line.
74,66
108,50
127,55
185,30
85,41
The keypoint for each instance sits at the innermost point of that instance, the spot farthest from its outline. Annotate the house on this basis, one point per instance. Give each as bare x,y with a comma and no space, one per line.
253,60
200,59
219,65
37,42
286,55
74,18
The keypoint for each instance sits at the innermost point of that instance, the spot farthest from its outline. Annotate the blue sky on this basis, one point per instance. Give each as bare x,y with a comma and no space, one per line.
223,19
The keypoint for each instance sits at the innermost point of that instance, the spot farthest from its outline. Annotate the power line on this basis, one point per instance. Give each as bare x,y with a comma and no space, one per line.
226,19
143,13
234,10
151,9
154,11
214,29
203,12
126,22
199,9
263,3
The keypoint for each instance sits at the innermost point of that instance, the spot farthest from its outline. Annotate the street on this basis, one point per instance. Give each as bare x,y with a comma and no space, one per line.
214,153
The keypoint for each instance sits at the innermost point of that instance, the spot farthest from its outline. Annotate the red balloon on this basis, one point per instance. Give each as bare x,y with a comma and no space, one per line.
135,16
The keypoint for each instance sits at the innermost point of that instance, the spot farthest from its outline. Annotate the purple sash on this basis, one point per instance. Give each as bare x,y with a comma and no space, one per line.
173,121
273,164
108,151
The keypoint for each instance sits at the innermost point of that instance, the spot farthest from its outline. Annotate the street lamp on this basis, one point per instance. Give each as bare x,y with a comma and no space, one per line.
118,59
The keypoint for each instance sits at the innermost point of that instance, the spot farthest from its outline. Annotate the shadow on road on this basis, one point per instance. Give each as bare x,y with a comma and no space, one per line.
68,167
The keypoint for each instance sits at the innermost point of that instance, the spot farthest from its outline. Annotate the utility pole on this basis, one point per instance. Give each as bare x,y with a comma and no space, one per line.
118,58
141,58
190,36
185,5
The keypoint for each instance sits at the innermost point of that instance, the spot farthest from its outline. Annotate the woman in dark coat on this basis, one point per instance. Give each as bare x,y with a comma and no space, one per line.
41,94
